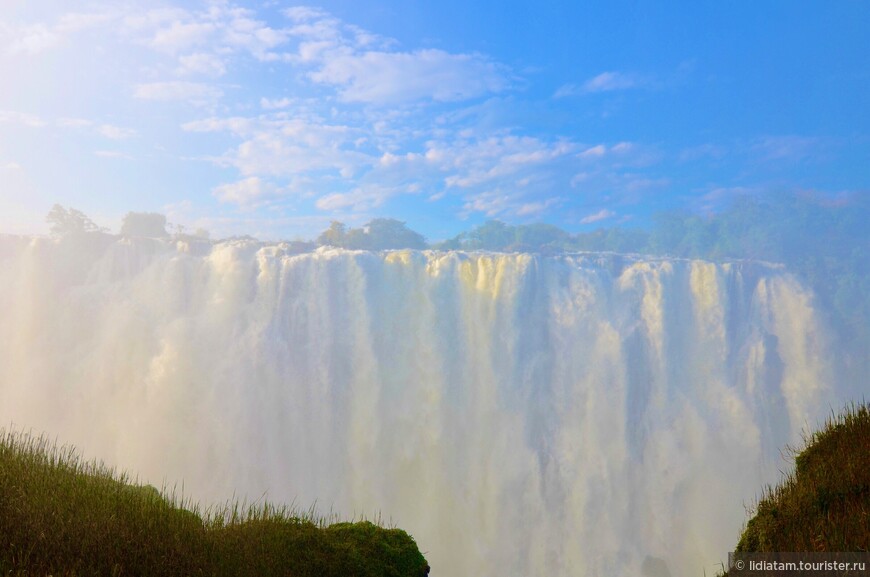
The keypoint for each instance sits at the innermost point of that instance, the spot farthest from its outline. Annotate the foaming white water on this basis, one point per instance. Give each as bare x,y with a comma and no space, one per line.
518,415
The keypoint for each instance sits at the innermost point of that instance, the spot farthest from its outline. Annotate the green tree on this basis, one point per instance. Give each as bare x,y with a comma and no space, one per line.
69,221
145,224
356,239
334,235
378,234
540,237
389,233
491,235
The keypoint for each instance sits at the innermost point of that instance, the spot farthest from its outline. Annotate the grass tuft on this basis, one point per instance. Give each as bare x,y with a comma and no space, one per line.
824,505
61,515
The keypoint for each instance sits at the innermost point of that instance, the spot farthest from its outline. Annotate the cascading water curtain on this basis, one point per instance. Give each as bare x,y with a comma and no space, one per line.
519,415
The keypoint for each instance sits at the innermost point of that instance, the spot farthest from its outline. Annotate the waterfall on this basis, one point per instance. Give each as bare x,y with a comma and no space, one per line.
519,415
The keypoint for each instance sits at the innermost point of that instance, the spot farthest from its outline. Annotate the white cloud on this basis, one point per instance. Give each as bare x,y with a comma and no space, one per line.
220,27
31,40
33,121
788,148
201,63
112,154
621,154
638,183
363,67
74,123
491,203
607,81
358,199
179,36
116,132
602,214
509,202
579,178
288,146
355,167
275,103
604,82
703,151
305,13
594,152
238,125
22,118
149,20
567,90
40,37
247,192
536,208
244,32
391,78
493,158
196,93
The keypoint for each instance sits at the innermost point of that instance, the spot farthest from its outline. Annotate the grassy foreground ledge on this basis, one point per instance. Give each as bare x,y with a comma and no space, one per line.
60,515
824,505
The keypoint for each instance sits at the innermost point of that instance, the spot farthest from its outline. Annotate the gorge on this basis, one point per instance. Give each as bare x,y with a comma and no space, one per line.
518,414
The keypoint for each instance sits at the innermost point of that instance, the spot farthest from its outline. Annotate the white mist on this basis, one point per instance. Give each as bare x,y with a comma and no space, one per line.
518,415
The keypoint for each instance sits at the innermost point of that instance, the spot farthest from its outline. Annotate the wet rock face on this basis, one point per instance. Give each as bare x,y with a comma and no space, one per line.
654,567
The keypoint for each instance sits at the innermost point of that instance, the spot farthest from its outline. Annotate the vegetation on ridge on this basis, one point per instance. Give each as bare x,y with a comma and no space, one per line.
824,505
60,515
823,241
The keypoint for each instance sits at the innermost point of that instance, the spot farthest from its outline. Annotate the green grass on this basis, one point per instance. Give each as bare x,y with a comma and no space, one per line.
61,515
824,505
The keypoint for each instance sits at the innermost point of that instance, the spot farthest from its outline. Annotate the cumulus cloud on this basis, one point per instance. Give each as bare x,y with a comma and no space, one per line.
40,37
703,152
201,63
247,192
195,93
359,199
305,13
391,78
293,146
366,68
604,82
596,151
112,154
178,36
785,148
116,132
74,123
484,160
219,27
607,81
22,118
109,131
620,154
536,208
602,214
499,202
347,128
356,169
275,103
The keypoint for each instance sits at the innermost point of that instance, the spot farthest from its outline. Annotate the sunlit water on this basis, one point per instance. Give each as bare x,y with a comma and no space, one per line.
519,415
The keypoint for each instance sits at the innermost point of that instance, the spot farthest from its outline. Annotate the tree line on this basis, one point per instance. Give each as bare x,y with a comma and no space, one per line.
825,242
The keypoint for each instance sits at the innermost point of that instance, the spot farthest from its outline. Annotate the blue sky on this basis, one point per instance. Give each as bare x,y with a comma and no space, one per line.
273,118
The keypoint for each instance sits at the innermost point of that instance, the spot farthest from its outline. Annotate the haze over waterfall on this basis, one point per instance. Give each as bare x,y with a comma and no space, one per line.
519,415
